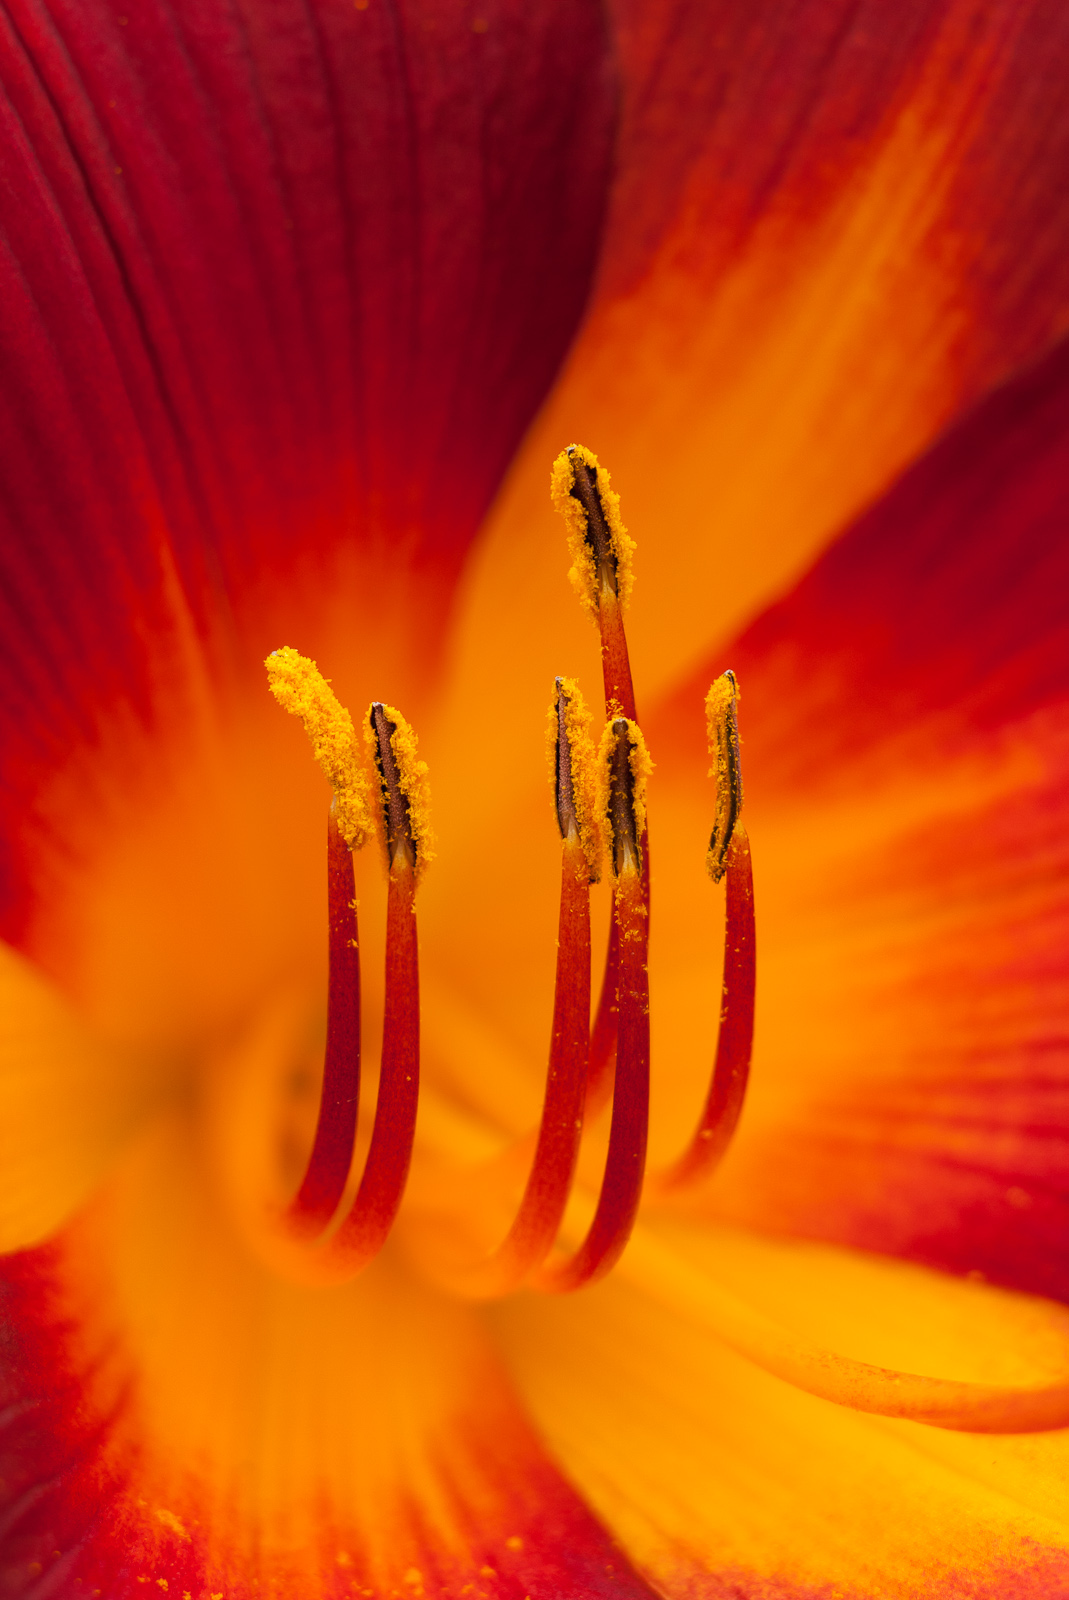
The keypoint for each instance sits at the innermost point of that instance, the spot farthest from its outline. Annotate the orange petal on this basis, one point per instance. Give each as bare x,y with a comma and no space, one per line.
906,716
720,1478
66,1103
175,1418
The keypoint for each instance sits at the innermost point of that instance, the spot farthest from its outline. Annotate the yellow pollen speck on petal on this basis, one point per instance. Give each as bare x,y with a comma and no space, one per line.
300,688
169,1520
412,776
586,786
583,573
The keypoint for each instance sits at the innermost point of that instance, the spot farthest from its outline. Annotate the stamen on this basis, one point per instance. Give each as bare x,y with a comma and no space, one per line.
602,575
301,689
549,1182
625,765
405,829
729,856
406,833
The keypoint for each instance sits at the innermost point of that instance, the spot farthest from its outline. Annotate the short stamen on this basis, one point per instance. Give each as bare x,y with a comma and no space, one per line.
728,857
405,830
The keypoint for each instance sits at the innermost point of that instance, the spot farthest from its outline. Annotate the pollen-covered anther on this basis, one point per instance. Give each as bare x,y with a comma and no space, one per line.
721,711
574,769
600,546
625,768
404,794
300,688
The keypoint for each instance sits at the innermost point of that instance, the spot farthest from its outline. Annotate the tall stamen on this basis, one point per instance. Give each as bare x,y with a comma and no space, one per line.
405,828
602,575
625,766
728,858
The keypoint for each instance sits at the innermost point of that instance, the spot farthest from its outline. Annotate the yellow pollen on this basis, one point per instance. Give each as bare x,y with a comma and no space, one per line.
584,764
299,687
412,777
583,572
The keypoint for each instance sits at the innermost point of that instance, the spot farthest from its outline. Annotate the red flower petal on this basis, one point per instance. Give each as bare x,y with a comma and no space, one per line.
907,708
275,277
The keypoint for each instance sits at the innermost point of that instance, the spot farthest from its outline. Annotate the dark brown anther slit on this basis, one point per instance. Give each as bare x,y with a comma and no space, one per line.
625,849
567,817
395,805
598,537
332,1152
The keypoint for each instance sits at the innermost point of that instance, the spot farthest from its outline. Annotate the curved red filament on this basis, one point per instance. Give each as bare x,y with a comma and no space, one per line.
364,1228
603,1034
621,1186
619,701
731,1069
363,1232
549,1182
332,1152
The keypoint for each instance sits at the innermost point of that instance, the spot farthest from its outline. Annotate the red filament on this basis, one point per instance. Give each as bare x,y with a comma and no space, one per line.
332,1152
621,1186
550,1179
731,1069
619,701
364,1231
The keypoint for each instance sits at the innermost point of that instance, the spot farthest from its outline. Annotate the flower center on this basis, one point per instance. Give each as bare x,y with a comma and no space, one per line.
600,795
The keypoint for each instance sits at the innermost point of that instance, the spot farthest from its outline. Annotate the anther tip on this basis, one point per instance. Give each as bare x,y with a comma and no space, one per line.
403,787
721,707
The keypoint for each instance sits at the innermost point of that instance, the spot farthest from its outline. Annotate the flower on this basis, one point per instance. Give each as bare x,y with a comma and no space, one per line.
284,287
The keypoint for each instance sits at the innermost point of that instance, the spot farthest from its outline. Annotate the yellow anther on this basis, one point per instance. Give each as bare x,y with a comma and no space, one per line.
600,546
406,799
573,766
623,790
723,726
299,687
